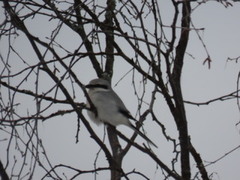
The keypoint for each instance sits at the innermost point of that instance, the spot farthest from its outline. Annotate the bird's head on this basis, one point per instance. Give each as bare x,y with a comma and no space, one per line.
98,85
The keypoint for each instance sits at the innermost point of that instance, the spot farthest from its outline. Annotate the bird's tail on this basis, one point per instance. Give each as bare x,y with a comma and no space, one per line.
142,135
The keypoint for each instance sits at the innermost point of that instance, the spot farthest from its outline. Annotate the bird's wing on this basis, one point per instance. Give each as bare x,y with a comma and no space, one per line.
126,113
121,107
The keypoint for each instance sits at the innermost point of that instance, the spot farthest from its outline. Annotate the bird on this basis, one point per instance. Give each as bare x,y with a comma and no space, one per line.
109,108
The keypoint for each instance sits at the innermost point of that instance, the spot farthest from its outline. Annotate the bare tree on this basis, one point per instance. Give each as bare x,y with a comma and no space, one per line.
49,78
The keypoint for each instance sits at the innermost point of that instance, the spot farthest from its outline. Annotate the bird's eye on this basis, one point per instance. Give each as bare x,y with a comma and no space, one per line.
96,86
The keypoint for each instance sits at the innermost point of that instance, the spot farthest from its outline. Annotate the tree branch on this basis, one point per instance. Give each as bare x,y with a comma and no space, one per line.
3,172
20,25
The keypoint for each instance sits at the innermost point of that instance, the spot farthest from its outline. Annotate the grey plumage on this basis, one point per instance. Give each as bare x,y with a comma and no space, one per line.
109,107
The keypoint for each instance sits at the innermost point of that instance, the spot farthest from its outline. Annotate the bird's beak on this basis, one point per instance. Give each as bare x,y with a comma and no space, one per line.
87,86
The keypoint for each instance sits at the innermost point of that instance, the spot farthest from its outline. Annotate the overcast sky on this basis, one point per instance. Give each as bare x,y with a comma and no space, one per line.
212,128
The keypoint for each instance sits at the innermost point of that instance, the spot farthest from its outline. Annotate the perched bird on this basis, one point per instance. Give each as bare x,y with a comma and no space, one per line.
109,108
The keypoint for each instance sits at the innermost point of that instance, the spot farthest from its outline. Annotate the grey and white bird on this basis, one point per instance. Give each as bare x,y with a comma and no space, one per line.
109,108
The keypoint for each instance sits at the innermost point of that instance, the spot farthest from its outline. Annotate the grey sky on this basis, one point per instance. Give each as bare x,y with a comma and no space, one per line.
212,128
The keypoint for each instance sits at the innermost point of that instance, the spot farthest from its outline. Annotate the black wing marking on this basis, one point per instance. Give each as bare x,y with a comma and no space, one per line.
127,114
